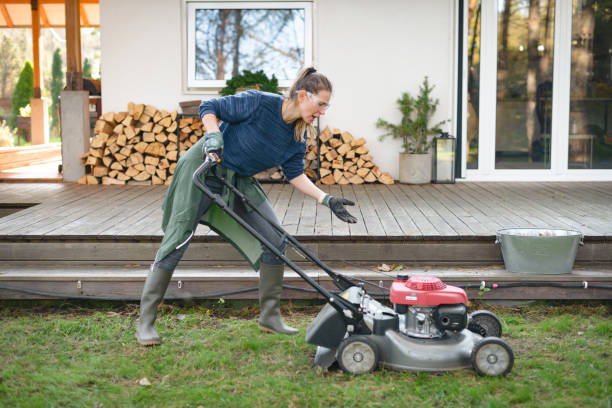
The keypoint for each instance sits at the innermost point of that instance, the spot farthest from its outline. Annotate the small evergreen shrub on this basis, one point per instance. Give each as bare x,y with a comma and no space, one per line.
24,91
250,80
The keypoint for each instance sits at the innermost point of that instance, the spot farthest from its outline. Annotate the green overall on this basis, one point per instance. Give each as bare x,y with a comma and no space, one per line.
183,199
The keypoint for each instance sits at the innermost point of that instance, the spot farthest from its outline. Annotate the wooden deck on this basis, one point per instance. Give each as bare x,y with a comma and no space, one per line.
462,210
63,226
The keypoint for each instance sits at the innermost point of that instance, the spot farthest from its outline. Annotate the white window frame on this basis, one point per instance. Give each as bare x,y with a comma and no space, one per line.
192,84
559,170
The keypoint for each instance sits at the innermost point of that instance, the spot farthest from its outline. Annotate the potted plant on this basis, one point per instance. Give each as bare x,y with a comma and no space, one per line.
416,134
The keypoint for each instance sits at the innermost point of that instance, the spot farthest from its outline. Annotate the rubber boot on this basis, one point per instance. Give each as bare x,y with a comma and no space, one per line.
152,294
270,288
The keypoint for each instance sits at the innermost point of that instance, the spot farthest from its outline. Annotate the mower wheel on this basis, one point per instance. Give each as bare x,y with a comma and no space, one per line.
485,323
358,355
492,356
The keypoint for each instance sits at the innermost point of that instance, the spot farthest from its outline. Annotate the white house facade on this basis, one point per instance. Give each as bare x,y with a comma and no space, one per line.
527,102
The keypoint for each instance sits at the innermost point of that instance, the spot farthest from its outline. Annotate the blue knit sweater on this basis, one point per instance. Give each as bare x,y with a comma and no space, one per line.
255,137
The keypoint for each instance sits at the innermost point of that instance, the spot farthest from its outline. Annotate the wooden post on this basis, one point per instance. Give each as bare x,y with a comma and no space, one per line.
74,117
36,46
39,123
74,73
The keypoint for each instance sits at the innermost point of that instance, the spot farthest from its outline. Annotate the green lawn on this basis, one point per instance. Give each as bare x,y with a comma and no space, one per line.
85,355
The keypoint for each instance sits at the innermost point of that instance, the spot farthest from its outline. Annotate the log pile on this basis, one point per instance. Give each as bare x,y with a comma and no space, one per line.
346,160
140,146
342,159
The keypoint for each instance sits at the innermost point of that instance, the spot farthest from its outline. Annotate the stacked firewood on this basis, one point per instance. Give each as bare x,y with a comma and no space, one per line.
142,146
342,160
139,146
346,160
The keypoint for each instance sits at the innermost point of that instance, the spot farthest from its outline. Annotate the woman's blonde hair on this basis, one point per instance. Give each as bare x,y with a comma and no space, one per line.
311,81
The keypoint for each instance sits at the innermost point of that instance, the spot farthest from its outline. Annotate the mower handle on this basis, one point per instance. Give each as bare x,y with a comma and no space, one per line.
344,307
211,159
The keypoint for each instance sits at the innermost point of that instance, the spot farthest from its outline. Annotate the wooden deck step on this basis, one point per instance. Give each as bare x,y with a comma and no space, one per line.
126,282
212,250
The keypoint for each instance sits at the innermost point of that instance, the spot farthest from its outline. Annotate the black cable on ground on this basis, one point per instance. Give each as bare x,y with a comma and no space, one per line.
482,285
126,299
583,285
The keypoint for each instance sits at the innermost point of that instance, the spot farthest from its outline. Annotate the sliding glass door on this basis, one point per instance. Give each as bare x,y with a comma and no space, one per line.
590,116
539,90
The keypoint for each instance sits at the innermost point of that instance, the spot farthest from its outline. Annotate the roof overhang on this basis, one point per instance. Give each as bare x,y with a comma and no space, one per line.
18,14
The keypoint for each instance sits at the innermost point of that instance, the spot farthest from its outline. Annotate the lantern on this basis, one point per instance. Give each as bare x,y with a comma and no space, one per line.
444,159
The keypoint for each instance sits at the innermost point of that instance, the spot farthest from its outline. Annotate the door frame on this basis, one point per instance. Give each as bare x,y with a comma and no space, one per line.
486,171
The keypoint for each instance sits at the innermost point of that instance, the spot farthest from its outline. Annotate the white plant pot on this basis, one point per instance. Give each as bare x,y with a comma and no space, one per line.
415,168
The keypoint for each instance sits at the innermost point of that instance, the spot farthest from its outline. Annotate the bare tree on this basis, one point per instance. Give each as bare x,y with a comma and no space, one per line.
502,58
9,65
473,88
533,27
582,51
220,40
232,40
238,30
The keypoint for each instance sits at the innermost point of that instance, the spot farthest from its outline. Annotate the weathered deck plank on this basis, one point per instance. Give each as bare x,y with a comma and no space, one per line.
464,210
357,229
370,219
400,214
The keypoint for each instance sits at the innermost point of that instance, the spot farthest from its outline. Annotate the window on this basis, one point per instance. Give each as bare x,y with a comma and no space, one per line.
226,38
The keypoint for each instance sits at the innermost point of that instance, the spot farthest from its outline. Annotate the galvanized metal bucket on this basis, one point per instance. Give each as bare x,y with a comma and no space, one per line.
539,250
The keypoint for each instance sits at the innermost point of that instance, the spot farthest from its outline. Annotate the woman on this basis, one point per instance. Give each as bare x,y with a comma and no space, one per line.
260,131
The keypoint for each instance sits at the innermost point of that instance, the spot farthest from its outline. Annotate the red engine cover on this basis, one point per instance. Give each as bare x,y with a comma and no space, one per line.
425,291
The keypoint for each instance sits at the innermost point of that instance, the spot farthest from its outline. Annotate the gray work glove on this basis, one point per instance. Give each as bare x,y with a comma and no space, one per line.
336,204
213,146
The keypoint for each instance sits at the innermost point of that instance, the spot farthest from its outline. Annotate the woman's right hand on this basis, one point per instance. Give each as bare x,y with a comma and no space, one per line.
213,145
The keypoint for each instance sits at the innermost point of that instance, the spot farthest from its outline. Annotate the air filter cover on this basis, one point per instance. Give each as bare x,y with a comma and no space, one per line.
425,291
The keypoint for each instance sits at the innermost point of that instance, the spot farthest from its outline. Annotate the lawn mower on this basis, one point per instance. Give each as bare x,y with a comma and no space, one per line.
428,329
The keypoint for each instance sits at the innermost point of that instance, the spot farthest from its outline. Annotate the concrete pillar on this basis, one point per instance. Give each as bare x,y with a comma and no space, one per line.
75,132
40,121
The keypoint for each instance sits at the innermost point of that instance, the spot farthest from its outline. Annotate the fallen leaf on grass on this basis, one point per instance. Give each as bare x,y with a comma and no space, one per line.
181,317
165,378
144,381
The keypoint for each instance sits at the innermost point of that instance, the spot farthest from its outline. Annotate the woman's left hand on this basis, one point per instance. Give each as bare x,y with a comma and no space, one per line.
336,204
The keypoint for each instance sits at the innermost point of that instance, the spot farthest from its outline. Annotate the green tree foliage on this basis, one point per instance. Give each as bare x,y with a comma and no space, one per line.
86,68
9,64
250,80
57,83
24,91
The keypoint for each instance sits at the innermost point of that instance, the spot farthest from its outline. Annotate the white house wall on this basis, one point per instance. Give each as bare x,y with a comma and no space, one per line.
371,50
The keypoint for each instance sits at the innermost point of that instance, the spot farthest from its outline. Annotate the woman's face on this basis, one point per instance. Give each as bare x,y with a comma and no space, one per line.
313,105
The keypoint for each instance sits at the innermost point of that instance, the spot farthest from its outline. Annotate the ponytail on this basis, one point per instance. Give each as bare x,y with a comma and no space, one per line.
311,81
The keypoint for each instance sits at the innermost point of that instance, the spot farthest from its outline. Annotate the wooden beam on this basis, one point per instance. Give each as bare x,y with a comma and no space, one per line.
74,73
6,15
46,1
43,15
83,15
36,47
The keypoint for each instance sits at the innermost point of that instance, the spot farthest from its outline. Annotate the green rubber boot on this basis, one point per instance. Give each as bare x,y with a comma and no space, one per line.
152,294
270,288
